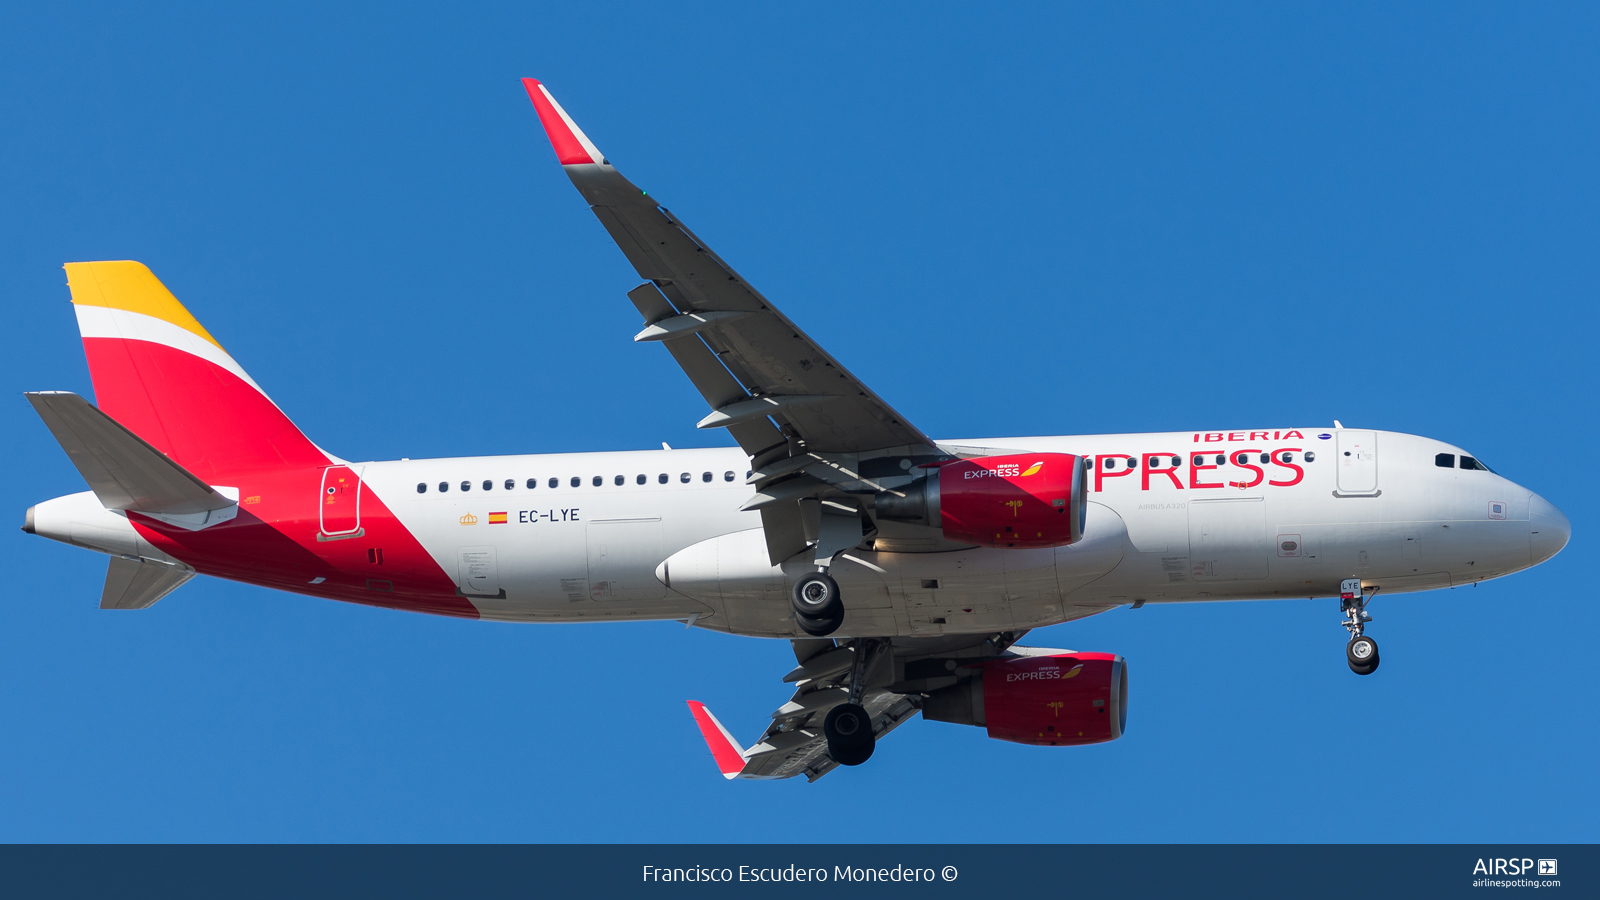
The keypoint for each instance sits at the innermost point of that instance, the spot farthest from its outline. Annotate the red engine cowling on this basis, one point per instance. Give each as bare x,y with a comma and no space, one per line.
1059,700
1020,500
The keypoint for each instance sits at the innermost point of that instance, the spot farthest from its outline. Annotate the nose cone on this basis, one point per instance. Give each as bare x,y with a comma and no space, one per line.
1549,529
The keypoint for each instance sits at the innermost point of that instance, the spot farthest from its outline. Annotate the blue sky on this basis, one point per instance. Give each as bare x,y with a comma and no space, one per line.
1007,221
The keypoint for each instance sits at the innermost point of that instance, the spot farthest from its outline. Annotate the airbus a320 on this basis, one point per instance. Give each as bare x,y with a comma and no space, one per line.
904,570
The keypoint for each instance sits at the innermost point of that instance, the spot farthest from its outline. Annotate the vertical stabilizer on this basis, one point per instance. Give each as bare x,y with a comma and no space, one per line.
157,371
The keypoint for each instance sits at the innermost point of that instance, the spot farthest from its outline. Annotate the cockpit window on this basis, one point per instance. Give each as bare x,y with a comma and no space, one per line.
1468,462
1445,460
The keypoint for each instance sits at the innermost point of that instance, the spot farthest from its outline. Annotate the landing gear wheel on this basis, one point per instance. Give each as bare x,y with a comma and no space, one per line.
819,627
848,729
817,608
1361,651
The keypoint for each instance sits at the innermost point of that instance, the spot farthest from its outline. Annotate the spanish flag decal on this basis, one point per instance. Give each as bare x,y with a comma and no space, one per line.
497,518
1033,469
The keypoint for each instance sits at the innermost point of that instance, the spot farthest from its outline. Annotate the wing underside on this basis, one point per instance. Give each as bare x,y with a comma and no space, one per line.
779,394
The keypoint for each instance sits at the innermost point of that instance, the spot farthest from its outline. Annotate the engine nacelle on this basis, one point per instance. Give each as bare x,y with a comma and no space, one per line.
1021,500
1054,701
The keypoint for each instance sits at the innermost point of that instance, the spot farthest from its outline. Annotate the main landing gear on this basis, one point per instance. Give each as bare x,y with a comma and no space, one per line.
1362,652
817,608
848,726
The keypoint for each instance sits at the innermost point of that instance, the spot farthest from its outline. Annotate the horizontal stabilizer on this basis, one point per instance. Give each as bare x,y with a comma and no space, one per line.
124,471
136,584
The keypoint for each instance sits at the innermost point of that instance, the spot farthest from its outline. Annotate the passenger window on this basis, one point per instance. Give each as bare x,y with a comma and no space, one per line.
728,475
1445,460
1265,458
511,483
705,476
598,480
555,482
1133,463
1110,464
533,483
662,478
466,485
576,481
444,486
488,485
1221,458
684,478
1199,460
422,488
1288,457
619,480
1311,456
1177,461
640,480
748,473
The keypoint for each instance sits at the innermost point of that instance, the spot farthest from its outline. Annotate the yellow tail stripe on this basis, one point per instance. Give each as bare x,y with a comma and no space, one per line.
129,285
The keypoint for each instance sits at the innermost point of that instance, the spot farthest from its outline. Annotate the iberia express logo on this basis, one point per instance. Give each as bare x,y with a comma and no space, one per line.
1033,469
1045,673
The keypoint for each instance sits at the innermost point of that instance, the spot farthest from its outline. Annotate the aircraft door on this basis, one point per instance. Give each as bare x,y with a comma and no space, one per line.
339,513
1358,462
623,555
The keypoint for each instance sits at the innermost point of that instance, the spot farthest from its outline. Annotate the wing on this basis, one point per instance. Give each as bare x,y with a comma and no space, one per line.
777,392
793,743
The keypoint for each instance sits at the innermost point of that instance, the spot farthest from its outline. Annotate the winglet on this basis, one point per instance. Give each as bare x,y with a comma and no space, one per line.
724,749
572,146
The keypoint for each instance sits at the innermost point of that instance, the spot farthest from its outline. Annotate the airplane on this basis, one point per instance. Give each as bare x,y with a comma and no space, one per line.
904,570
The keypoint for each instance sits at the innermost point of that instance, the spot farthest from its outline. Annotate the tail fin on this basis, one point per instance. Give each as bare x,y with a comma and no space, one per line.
159,373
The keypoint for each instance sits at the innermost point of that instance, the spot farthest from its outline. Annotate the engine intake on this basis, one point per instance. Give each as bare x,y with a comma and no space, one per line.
1054,701
1020,500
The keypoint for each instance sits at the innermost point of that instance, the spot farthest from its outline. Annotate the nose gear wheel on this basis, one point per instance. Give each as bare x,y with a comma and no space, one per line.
1362,652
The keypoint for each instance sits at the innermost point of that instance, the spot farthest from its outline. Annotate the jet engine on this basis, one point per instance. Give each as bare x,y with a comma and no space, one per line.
1058,700
1021,500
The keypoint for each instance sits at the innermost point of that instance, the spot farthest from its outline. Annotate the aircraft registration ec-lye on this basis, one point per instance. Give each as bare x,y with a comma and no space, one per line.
903,569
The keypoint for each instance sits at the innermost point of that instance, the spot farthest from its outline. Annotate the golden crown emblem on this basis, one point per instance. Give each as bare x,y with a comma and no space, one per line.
469,519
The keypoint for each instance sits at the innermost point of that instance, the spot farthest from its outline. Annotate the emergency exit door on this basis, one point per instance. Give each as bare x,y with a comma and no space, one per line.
340,512
1357,461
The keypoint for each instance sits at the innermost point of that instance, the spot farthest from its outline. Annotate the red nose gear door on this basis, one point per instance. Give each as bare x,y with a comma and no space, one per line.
341,501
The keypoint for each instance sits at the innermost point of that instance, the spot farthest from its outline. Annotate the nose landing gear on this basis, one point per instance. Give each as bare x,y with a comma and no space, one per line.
1362,652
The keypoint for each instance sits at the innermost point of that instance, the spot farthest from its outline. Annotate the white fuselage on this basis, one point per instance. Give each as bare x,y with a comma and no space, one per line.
1369,505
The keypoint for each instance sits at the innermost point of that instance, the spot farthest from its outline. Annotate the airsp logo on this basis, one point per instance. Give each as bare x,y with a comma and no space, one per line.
1547,867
